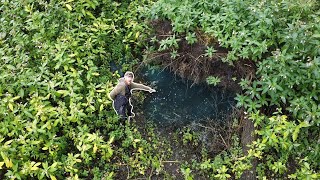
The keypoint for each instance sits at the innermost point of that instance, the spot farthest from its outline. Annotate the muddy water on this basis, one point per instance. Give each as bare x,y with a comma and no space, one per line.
177,101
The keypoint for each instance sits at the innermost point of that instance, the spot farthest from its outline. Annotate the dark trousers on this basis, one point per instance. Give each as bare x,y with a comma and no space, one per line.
124,111
122,106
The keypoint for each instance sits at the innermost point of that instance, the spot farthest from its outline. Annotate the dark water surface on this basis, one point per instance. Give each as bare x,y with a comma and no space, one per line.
178,102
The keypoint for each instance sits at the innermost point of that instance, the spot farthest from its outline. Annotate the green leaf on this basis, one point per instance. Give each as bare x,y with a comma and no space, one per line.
316,36
65,92
35,166
101,107
10,106
69,7
9,66
1,164
80,82
295,133
304,124
213,80
8,162
53,177
137,35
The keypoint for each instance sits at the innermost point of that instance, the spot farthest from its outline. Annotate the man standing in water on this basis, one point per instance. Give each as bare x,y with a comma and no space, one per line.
121,94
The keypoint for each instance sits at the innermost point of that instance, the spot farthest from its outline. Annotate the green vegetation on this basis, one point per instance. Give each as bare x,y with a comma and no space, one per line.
213,80
282,37
56,120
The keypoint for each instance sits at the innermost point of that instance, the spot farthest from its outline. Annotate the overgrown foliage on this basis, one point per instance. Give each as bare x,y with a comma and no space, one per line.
282,37
56,120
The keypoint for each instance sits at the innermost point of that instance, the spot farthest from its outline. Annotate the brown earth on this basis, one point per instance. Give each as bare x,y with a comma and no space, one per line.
192,62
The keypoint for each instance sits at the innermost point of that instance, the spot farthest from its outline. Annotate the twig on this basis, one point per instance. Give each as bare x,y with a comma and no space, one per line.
165,35
176,114
223,141
171,161
160,54
205,127
170,63
128,172
150,173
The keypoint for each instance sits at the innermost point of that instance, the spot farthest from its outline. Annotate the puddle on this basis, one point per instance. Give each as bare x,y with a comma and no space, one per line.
177,101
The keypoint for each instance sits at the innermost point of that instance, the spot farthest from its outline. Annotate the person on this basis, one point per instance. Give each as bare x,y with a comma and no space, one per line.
121,93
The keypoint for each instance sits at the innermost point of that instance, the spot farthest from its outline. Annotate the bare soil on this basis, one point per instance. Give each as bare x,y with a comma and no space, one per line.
192,63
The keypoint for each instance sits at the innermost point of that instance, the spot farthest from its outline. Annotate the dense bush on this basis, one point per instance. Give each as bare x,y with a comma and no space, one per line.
282,37
56,120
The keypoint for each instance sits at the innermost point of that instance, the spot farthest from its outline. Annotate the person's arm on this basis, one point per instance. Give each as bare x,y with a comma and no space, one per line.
141,87
115,91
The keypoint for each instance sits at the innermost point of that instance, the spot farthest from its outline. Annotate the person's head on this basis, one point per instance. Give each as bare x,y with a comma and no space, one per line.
128,77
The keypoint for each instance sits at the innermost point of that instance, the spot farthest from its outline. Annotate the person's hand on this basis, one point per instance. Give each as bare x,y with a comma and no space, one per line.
152,90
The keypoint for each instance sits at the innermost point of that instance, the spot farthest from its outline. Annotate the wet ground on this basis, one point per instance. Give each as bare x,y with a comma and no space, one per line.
179,102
